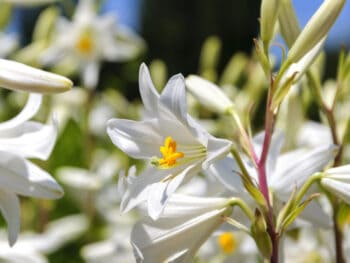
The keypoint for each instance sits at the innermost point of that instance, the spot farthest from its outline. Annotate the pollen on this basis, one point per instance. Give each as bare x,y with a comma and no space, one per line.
227,242
85,44
170,155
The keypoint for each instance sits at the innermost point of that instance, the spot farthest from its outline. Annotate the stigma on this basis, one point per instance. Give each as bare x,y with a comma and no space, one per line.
169,154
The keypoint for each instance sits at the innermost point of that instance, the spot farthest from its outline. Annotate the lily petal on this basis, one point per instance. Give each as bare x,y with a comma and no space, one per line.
10,209
148,92
298,167
33,140
30,109
24,178
137,139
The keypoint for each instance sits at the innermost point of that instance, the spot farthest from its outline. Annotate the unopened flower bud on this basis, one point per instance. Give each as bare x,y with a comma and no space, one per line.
208,94
17,76
316,29
268,18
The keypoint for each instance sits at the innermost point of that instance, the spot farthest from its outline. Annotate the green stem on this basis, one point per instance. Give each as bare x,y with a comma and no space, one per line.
244,207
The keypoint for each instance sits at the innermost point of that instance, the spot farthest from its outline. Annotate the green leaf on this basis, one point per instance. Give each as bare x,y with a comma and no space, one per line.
70,149
296,212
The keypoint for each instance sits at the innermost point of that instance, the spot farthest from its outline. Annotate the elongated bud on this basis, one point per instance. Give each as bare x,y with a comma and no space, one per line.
288,22
316,29
268,18
208,94
17,76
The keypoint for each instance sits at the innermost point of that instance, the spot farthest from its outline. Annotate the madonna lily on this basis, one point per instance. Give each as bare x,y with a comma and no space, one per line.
187,222
88,40
21,139
176,146
284,172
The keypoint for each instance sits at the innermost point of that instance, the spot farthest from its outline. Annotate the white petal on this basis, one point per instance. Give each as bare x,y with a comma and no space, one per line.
33,140
17,76
173,97
149,94
22,177
137,139
91,73
10,209
216,149
339,188
30,109
300,167
174,240
160,192
225,171
138,188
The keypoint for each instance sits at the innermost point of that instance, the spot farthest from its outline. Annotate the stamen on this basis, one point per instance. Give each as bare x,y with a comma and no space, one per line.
227,242
85,44
170,155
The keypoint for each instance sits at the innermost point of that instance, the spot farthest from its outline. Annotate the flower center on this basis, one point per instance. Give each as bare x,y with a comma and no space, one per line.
170,155
227,242
85,44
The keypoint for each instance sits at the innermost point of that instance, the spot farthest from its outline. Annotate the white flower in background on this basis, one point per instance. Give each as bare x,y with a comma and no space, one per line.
337,181
88,40
310,245
229,246
175,145
31,247
8,43
116,248
18,76
21,139
284,172
187,222
94,188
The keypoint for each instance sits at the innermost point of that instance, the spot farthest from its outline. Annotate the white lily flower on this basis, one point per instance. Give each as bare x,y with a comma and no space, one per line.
21,139
337,181
284,172
17,76
176,146
89,39
187,222
31,247
116,248
312,245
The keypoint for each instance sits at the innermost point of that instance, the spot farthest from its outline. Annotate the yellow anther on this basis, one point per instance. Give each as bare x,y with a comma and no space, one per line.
227,242
170,155
85,44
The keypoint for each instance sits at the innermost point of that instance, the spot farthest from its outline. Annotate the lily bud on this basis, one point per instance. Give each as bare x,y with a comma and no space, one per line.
268,18
316,29
288,22
17,76
208,94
